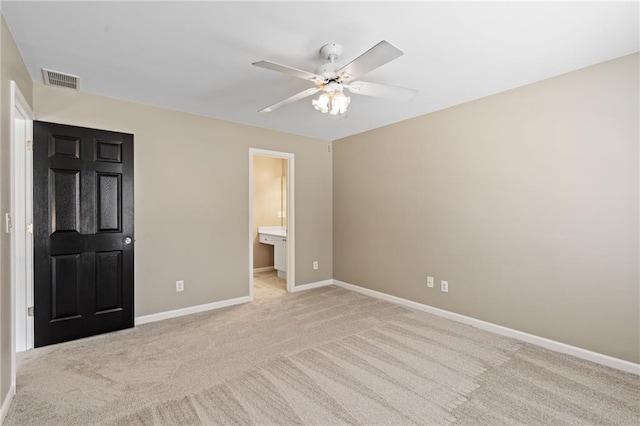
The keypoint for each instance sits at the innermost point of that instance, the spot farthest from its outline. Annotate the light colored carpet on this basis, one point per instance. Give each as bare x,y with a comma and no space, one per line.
319,357
267,285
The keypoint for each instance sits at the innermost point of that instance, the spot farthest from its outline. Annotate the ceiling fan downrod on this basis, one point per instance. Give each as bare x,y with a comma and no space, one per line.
331,51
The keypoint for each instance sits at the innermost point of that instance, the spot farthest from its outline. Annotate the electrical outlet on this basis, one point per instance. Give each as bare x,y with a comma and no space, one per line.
179,286
315,264
444,286
430,282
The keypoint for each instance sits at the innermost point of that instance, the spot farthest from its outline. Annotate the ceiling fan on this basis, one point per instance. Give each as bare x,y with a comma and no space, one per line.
332,78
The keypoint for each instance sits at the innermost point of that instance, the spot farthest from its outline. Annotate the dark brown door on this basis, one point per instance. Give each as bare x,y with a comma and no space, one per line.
83,232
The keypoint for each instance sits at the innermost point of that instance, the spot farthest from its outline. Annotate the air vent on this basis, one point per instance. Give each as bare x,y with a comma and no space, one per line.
59,79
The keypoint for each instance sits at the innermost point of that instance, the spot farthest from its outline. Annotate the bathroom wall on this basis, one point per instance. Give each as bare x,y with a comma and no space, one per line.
268,199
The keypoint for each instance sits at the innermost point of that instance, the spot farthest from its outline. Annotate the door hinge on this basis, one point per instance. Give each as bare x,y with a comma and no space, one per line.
29,145
30,228
30,311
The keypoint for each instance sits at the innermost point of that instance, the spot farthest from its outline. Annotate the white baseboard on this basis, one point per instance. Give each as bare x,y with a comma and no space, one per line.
7,403
553,345
303,287
263,269
217,305
191,310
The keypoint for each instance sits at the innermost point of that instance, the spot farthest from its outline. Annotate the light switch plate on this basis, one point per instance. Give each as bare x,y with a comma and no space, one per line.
8,224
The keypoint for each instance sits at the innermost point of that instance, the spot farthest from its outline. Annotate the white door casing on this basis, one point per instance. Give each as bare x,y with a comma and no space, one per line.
22,219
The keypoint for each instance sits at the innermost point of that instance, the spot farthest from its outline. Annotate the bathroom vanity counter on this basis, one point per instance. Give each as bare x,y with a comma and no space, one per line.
276,231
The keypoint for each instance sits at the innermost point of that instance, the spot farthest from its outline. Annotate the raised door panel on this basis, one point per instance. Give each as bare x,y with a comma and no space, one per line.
64,146
109,151
66,279
108,281
64,200
109,198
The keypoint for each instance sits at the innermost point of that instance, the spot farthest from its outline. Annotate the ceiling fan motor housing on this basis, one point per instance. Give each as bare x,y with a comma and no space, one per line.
332,87
328,70
331,52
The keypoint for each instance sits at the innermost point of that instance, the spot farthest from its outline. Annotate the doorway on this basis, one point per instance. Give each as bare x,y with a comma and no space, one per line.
271,222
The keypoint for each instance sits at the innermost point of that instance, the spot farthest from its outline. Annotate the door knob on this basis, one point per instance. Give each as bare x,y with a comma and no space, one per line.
127,240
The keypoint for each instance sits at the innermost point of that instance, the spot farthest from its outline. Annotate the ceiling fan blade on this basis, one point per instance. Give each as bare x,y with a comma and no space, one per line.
381,91
296,97
291,71
373,58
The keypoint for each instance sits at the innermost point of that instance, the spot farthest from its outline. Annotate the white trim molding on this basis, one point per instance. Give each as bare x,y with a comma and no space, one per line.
22,214
263,269
7,403
309,286
191,310
606,360
144,319
21,243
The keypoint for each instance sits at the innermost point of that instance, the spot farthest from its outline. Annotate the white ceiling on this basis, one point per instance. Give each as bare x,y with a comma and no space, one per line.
196,56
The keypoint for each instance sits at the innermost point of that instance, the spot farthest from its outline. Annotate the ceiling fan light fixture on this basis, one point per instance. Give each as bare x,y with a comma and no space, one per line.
322,103
339,103
333,102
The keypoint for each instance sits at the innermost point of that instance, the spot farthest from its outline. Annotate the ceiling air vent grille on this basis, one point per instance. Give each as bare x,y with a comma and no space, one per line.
60,79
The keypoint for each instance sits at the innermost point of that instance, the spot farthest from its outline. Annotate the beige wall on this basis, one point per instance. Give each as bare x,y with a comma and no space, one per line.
11,68
268,197
526,202
192,197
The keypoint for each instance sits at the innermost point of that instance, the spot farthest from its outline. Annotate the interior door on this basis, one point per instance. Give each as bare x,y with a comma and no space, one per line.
83,232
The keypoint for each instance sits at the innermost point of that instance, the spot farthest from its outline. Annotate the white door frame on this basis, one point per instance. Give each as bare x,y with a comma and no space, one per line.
291,252
21,125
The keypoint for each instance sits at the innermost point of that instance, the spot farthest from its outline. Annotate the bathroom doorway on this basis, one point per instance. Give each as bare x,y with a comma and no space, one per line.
271,223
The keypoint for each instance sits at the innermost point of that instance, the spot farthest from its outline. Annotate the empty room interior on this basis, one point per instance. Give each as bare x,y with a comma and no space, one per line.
319,212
